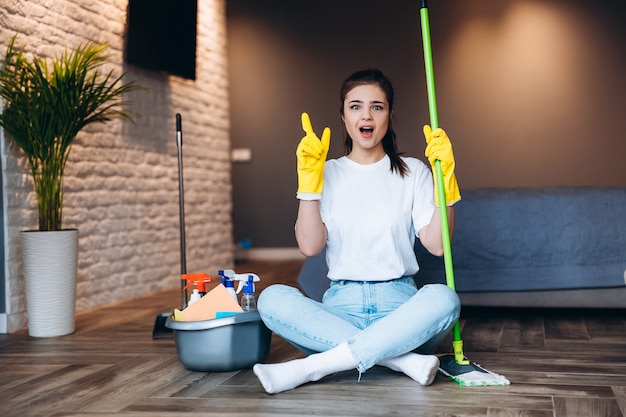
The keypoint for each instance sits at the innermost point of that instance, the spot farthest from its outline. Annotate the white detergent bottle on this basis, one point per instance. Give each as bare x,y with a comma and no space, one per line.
195,296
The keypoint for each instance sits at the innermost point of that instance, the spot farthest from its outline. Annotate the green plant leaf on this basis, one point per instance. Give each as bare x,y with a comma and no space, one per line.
45,106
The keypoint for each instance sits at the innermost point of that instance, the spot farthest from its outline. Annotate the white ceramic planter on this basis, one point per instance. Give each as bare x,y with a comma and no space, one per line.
50,262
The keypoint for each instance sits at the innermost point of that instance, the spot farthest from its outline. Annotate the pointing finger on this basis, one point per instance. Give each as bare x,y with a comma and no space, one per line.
306,124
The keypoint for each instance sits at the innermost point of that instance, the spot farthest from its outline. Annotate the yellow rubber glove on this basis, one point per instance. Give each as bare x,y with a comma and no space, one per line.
311,156
440,148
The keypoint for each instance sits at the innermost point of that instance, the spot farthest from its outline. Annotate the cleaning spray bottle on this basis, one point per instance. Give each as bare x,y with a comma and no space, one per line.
246,282
228,281
199,281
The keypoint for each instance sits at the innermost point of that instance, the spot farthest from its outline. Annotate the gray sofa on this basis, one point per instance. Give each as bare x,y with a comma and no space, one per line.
535,247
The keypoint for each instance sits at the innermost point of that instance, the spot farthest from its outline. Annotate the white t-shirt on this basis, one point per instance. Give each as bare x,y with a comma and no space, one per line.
373,215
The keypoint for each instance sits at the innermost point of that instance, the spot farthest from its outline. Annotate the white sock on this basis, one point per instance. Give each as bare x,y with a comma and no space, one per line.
284,376
421,368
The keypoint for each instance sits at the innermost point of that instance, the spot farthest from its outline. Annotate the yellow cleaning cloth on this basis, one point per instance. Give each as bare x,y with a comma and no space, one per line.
178,315
218,299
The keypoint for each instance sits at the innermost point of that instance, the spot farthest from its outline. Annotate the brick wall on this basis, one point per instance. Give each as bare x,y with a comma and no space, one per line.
121,186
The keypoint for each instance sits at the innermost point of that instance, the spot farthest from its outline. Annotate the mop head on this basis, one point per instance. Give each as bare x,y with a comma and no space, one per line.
471,375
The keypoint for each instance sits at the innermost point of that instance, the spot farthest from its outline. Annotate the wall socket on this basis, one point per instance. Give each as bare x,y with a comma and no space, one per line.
240,155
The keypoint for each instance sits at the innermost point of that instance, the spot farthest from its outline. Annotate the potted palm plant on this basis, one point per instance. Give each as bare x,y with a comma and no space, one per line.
45,106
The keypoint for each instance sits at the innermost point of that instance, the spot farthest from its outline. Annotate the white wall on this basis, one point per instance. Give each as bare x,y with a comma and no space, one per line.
121,186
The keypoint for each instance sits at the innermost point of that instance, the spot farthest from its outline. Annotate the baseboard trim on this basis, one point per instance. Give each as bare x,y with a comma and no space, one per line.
4,320
274,254
575,298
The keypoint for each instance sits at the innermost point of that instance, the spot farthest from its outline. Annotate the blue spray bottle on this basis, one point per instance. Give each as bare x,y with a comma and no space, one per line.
228,281
246,282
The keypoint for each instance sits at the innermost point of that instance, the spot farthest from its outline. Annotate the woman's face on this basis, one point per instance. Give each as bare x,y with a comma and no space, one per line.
366,117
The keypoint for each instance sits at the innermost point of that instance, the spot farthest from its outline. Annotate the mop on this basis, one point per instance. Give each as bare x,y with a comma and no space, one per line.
456,366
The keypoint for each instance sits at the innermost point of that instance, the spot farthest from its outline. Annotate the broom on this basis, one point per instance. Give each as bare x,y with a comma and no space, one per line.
160,330
455,366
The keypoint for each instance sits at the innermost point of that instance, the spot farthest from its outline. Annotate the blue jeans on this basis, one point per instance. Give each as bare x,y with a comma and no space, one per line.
378,320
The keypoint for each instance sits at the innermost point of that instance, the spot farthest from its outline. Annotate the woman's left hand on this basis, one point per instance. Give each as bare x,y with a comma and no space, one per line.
440,148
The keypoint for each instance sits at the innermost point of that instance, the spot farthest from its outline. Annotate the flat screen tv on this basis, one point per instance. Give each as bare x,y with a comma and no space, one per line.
161,36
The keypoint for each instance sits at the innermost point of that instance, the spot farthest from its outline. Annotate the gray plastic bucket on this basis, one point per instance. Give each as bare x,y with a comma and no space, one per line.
225,344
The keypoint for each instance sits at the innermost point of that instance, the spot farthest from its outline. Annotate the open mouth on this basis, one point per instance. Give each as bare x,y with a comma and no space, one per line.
367,129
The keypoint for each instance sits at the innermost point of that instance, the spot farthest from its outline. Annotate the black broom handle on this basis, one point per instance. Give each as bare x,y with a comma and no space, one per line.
181,209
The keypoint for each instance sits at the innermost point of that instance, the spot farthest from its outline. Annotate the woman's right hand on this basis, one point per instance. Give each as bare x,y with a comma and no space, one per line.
311,157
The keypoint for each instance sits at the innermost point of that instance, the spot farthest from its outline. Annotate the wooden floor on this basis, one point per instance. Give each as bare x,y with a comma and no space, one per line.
562,363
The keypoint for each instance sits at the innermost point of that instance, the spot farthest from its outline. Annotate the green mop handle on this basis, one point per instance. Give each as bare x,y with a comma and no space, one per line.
457,343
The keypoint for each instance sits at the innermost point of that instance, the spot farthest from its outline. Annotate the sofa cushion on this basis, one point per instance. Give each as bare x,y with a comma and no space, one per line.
535,239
